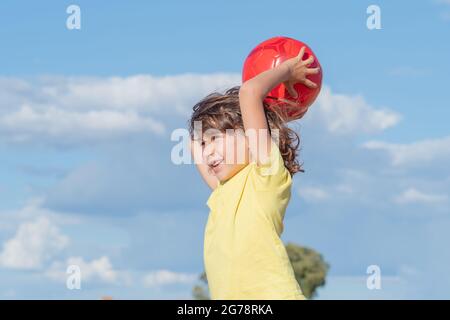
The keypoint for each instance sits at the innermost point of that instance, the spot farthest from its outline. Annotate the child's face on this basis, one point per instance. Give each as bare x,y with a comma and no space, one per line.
225,153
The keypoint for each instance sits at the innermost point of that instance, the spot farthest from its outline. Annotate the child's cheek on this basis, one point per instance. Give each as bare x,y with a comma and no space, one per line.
227,152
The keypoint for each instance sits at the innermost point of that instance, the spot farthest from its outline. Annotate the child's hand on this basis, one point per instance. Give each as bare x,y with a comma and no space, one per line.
298,70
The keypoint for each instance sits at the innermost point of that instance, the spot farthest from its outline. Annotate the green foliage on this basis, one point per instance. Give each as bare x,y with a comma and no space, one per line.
201,292
309,267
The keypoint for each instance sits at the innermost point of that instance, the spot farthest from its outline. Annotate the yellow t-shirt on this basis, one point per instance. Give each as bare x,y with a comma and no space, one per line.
244,256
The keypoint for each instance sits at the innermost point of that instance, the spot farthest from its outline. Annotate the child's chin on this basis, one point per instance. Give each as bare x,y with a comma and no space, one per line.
222,176
225,176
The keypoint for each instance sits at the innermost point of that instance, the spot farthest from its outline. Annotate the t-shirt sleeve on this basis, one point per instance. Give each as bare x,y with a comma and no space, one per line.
272,172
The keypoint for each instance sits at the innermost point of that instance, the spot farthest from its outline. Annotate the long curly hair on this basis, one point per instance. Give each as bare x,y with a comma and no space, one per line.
222,112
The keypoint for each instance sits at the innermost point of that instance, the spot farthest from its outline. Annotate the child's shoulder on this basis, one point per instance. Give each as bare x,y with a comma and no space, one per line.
272,165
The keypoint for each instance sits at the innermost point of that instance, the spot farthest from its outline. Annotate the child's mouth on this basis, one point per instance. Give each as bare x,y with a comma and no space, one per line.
216,165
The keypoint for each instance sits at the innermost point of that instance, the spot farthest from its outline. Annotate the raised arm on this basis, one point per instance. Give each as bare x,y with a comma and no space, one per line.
253,92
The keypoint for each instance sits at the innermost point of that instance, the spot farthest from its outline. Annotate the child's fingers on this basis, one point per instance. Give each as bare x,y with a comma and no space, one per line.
309,83
301,53
291,90
308,61
312,70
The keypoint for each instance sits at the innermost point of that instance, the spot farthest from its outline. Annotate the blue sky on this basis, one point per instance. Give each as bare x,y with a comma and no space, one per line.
85,123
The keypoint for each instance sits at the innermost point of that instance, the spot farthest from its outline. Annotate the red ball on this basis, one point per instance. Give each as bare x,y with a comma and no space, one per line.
271,53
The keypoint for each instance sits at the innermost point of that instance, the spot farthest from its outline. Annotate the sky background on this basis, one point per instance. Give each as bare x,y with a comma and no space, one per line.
86,118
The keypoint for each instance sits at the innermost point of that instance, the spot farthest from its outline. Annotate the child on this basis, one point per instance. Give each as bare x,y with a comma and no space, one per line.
244,256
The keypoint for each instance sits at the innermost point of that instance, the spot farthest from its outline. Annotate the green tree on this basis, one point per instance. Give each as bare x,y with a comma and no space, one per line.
201,292
309,267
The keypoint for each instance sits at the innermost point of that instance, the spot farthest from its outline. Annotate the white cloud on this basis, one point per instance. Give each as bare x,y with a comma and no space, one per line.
413,195
319,194
444,14
313,194
70,110
167,94
354,287
33,210
347,114
345,188
27,123
97,270
165,277
74,110
443,1
416,153
34,243
38,241
409,71
143,93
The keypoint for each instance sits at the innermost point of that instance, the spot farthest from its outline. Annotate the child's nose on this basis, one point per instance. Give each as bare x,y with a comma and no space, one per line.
209,149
